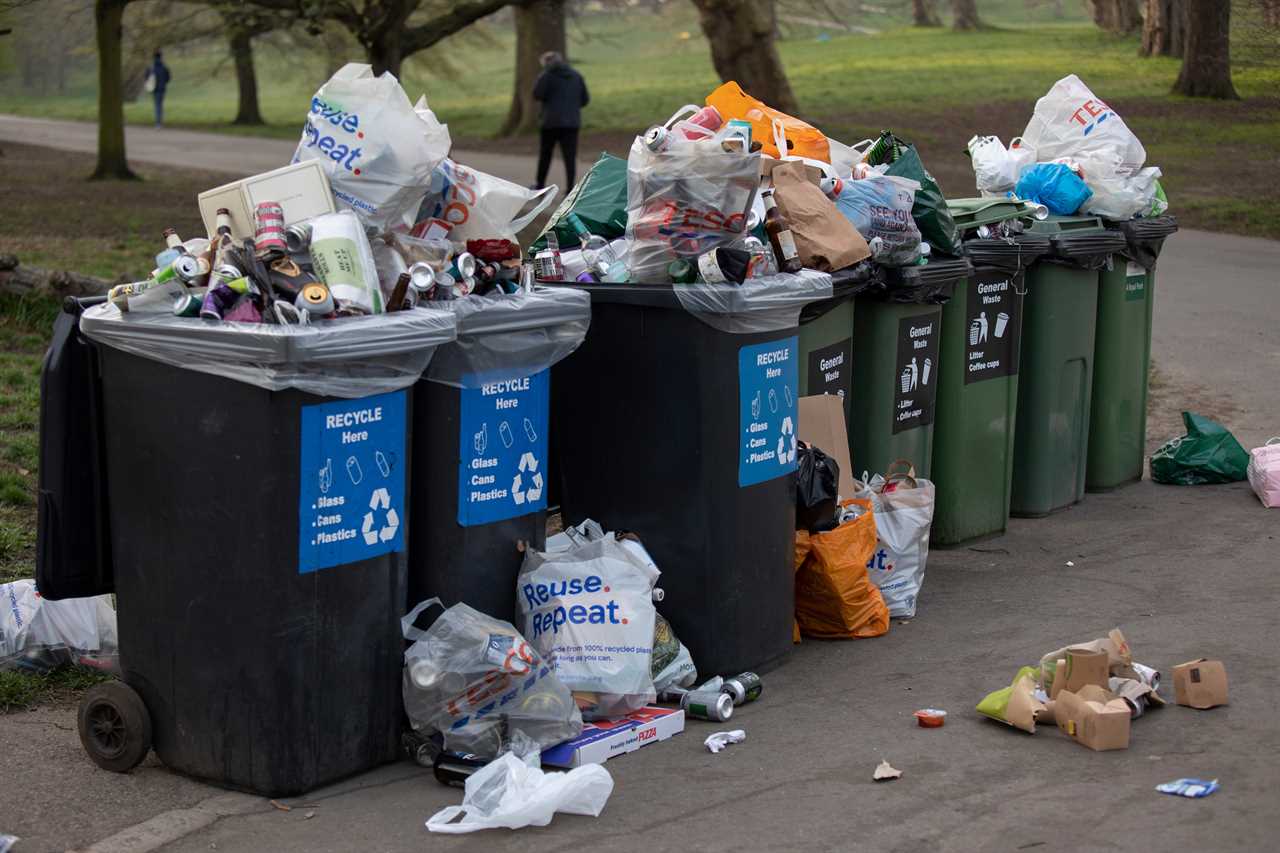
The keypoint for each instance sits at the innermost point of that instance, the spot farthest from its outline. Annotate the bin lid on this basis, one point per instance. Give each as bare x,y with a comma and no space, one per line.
1013,253
862,277
969,213
933,283
1082,241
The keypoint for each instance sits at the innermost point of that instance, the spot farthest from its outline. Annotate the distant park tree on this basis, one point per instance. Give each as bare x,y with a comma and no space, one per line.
108,17
1163,28
742,35
1116,16
1206,57
965,15
924,13
540,27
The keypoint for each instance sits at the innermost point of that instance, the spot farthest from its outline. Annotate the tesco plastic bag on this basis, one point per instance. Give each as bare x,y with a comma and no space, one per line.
475,680
587,605
685,201
1071,121
481,206
508,793
377,148
903,505
39,634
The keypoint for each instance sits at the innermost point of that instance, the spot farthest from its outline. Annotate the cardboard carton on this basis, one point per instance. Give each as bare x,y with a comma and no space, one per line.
822,425
1094,717
603,739
1200,683
301,189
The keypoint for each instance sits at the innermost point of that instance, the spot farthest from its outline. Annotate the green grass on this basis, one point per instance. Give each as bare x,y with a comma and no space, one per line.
20,690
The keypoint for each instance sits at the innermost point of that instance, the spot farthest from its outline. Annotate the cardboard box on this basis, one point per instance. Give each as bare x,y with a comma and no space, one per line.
1200,683
822,425
302,189
604,739
1094,717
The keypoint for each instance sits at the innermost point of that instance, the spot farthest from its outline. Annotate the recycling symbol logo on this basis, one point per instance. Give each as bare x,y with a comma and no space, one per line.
380,500
528,468
785,455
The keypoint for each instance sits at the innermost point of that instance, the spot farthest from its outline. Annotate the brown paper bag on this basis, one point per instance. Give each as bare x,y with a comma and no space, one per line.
825,239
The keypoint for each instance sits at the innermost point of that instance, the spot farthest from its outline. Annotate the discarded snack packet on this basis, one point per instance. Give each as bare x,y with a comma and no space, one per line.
886,771
1189,787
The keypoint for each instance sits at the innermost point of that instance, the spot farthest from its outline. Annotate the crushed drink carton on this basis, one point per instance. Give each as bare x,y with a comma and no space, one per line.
1200,683
603,739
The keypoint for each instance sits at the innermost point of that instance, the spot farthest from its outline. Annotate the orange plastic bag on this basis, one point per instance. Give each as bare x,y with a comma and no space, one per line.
803,139
802,553
834,597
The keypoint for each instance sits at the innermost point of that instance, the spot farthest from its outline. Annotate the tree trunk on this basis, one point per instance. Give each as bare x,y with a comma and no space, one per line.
1116,16
539,28
1163,30
383,35
108,19
965,14
741,35
20,281
924,13
1206,60
386,53
246,77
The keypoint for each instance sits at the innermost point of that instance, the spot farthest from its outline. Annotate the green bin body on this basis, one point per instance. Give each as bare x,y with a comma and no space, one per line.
1051,441
896,359
978,390
1122,357
826,335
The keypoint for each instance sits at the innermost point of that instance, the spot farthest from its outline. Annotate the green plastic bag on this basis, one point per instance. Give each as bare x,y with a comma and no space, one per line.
1208,453
599,199
996,704
932,216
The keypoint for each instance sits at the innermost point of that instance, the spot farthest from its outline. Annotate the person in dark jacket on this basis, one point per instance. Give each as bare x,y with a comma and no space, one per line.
562,93
158,74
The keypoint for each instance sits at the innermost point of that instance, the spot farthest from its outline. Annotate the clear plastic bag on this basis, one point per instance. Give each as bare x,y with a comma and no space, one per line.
39,634
511,336
481,206
685,201
509,793
344,357
475,680
764,304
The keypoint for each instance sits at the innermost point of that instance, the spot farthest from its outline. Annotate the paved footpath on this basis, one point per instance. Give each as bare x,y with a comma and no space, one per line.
1186,572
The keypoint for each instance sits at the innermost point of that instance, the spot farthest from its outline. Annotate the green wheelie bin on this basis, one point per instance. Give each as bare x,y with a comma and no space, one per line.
1122,356
1051,439
826,335
978,380
896,349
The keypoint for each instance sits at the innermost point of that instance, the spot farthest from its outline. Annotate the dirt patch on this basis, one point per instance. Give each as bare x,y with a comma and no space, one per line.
1169,396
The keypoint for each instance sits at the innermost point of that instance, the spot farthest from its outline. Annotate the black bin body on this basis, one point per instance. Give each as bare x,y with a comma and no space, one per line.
257,676
647,438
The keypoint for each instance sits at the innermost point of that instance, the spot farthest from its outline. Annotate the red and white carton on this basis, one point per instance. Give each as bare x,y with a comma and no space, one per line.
603,739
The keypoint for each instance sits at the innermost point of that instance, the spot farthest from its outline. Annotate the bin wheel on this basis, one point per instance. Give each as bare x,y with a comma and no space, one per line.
115,726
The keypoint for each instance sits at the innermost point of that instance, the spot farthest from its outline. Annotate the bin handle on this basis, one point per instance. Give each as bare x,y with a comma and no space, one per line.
1272,440
406,624
892,470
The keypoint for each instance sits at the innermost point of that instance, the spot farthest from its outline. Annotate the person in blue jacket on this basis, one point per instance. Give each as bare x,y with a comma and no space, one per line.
158,74
562,93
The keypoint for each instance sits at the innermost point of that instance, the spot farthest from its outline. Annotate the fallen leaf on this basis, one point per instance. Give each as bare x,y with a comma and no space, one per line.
884,771
281,806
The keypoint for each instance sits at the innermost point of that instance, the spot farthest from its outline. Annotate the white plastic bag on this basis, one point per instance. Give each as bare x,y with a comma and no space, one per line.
995,167
587,605
1117,197
377,148
343,259
481,206
685,201
40,634
475,680
903,505
1071,121
508,793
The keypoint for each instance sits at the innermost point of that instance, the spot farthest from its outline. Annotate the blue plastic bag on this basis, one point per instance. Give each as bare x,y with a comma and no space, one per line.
1055,186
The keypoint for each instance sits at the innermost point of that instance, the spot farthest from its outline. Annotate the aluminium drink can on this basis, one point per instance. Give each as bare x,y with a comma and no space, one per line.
743,688
707,705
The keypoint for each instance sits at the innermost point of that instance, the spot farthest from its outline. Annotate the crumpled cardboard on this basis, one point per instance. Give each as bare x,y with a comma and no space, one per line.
825,239
1119,657
1093,717
1200,683
1134,693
